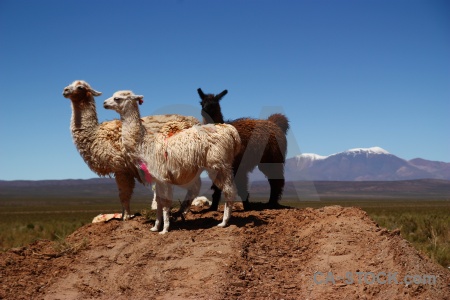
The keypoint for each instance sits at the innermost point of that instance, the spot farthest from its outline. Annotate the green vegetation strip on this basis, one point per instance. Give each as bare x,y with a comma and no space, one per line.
22,225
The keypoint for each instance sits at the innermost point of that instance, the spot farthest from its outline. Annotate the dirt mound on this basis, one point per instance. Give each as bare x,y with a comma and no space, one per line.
328,253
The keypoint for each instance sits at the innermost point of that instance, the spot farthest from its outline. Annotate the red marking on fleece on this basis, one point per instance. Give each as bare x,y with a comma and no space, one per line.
148,176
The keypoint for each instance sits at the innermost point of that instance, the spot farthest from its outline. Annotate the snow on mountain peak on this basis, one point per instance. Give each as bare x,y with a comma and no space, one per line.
310,156
305,160
372,150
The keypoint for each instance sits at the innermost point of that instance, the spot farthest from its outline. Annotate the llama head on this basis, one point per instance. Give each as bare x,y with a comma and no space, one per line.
123,101
210,104
79,91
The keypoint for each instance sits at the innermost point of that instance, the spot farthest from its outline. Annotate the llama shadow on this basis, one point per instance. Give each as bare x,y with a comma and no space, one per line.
254,206
211,222
260,206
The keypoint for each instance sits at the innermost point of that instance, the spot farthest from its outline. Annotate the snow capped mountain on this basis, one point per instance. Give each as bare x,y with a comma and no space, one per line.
356,151
367,151
306,160
360,164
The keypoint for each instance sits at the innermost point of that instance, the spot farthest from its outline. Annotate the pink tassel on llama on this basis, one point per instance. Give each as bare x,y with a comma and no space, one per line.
144,173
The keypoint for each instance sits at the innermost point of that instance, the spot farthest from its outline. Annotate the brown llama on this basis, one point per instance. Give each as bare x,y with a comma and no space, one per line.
264,145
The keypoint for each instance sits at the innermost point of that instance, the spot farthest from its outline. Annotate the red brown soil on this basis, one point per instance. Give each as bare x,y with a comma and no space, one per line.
269,254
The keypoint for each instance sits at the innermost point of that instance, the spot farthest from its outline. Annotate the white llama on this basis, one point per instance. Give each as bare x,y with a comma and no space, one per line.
99,144
177,155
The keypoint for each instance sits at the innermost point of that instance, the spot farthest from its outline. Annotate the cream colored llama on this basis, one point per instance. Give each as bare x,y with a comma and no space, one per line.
177,155
100,145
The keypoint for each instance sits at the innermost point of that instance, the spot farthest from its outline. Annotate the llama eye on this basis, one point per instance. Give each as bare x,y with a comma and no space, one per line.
80,87
117,99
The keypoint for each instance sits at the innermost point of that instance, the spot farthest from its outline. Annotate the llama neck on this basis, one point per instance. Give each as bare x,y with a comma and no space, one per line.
132,130
84,121
214,116
218,117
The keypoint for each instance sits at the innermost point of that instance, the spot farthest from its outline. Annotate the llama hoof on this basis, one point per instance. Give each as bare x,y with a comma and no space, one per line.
246,205
174,217
128,217
163,232
275,205
154,229
223,224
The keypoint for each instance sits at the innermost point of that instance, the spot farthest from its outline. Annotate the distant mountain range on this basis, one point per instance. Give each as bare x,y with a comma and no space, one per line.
372,170
360,164
360,172
104,190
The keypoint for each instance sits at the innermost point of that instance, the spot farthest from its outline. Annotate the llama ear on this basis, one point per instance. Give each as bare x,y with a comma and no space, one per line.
201,94
224,92
95,93
139,99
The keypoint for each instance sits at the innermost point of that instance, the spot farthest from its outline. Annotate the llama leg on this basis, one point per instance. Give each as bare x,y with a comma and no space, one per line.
192,193
125,184
276,191
193,190
167,203
217,191
164,194
241,180
275,175
225,182
159,215
226,213
166,219
215,198
154,198
161,194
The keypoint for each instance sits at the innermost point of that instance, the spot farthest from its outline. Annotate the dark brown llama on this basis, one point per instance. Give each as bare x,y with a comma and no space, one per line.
264,145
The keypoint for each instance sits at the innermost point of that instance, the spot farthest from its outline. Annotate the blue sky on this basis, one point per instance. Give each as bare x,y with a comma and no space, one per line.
347,74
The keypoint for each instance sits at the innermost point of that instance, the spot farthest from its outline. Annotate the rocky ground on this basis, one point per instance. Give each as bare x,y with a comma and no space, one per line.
327,253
